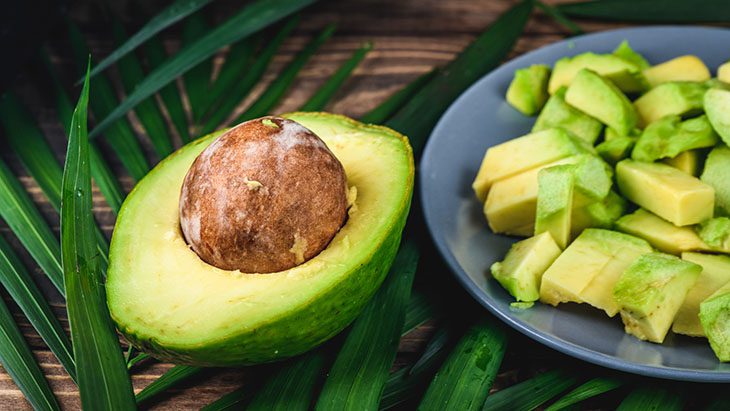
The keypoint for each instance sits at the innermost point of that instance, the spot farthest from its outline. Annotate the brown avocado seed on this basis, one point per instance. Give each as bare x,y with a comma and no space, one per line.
265,196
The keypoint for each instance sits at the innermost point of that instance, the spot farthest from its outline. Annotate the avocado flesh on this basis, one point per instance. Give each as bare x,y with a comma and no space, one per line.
717,106
168,302
681,98
528,90
520,271
723,72
616,149
715,274
522,154
683,68
650,292
717,174
670,136
585,259
601,214
715,319
660,233
602,100
688,162
559,114
624,74
665,191
716,233
555,202
625,51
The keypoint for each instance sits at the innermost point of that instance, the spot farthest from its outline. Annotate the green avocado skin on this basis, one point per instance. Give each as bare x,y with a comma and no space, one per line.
299,329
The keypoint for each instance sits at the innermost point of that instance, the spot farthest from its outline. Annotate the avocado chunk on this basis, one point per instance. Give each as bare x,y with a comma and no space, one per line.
559,114
683,68
528,90
660,233
715,274
626,75
524,153
674,98
555,202
665,191
616,149
601,214
723,72
522,268
715,319
585,259
651,291
688,162
715,232
669,136
601,99
717,107
171,304
625,51
717,175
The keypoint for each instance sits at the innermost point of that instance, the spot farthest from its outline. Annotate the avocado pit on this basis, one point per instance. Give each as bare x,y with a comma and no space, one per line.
265,196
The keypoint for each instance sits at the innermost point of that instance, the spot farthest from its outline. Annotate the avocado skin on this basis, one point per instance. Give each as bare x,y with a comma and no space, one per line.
298,329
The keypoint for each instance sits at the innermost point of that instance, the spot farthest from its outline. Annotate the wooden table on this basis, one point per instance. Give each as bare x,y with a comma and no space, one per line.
410,36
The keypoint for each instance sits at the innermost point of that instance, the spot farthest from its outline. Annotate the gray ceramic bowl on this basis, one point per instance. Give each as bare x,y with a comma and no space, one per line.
480,118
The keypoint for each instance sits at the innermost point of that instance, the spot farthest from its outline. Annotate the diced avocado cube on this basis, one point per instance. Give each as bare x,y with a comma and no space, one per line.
625,51
723,72
660,233
715,320
524,264
650,292
669,136
601,214
524,153
559,114
616,149
581,262
674,98
715,274
601,99
688,162
715,232
555,202
528,90
593,179
626,75
717,107
683,68
512,202
717,175
665,191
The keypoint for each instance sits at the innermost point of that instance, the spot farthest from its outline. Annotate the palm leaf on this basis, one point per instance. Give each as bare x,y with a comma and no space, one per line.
173,376
719,403
291,387
131,73
167,17
220,111
102,374
589,389
360,371
169,94
420,114
464,380
320,99
559,17
651,398
100,171
418,311
653,11
18,361
252,18
531,393
276,90
386,109
231,401
103,99
197,79
16,279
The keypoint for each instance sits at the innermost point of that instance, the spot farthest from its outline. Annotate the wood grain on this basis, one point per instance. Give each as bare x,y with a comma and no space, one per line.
410,36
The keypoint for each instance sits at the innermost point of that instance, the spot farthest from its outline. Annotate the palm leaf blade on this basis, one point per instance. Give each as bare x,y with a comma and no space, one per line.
197,79
386,109
173,376
651,398
292,386
655,11
531,393
589,389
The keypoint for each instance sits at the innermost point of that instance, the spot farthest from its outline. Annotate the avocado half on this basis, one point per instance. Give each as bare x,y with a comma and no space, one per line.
171,304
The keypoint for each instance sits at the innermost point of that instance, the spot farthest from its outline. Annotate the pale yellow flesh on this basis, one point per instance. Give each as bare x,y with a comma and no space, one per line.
667,192
723,73
660,233
683,68
667,99
687,161
607,65
195,302
715,274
